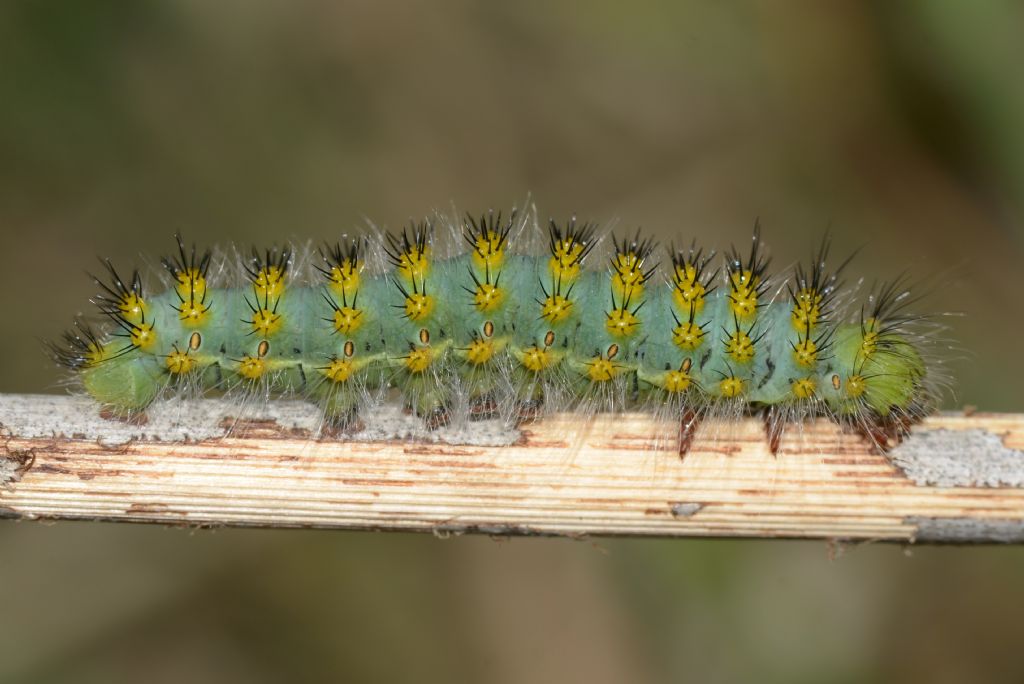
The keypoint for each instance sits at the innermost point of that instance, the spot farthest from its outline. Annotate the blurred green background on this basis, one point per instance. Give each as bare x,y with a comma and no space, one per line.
898,125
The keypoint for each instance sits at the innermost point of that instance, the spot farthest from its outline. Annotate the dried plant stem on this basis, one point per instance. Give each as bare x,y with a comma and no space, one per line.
612,476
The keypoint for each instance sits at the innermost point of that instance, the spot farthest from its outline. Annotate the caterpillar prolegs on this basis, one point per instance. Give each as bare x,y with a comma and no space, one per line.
484,326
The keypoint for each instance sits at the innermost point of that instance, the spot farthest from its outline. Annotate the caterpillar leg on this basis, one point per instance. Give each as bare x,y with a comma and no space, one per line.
482,407
885,432
429,400
434,416
114,413
774,425
343,422
340,403
689,421
437,417
529,410
483,388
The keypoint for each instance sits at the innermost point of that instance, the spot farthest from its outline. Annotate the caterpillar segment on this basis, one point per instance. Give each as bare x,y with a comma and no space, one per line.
480,325
487,331
417,339
554,292
350,307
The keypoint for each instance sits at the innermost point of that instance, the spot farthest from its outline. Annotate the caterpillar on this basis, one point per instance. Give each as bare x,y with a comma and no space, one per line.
469,318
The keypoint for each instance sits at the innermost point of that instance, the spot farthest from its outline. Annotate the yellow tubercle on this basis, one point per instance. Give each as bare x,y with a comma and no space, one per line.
95,354
869,343
190,285
193,314
344,279
743,293
480,351
418,359
556,308
677,381
265,323
684,298
804,388
628,277
740,347
806,309
179,362
488,297
143,336
488,251
252,367
744,306
414,264
600,369
536,359
805,353
731,387
742,279
564,264
132,307
687,289
687,336
269,283
856,386
339,370
347,320
418,306
622,323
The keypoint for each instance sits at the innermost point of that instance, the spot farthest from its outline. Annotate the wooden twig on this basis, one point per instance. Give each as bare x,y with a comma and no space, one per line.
957,479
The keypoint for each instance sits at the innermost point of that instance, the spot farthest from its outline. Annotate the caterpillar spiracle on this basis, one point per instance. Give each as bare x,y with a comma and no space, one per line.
494,324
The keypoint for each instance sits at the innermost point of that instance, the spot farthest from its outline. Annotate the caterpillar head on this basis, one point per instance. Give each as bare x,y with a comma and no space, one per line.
887,372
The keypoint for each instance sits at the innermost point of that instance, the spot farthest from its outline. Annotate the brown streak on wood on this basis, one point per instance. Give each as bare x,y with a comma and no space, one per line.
152,508
379,482
440,450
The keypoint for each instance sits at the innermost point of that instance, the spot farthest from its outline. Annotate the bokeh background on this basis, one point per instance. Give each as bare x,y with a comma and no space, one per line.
898,125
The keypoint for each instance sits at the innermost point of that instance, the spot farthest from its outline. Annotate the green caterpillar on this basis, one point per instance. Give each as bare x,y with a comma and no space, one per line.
491,332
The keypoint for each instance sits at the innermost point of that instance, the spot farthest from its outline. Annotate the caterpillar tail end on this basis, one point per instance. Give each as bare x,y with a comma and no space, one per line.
124,387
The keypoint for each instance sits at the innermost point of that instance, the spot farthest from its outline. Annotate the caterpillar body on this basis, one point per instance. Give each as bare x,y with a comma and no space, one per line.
495,330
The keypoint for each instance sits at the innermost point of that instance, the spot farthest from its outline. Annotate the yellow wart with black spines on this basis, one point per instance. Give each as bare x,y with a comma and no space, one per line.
180,362
338,370
679,380
409,251
267,275
630,271
189,271
731,386
488,239
341,268
690,280
804,388
118,299
410,255
740,346
419,359
746,279
691,284
604,367
536,358
569,248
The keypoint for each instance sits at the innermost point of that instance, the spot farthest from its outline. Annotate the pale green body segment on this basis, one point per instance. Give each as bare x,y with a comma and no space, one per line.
438,359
